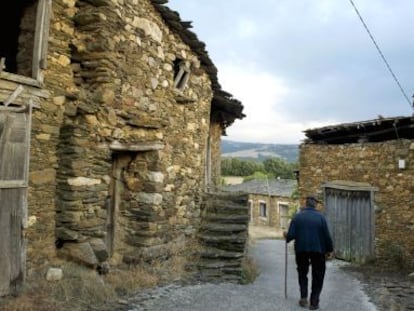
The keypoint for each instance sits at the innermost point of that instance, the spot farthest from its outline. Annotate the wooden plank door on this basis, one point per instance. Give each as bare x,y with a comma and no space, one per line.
120,162
14,161
350,217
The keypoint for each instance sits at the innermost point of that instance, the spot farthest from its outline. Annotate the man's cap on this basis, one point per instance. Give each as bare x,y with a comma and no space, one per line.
313,197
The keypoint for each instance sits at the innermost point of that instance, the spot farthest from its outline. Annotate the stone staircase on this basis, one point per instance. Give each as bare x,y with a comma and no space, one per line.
223,237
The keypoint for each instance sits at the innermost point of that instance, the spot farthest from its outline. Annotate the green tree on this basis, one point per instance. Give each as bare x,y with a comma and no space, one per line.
237,167
257,175
226,168
271,167
280,168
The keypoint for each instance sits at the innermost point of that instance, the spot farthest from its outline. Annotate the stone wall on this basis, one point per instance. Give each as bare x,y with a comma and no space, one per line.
46,124
377,165
113,108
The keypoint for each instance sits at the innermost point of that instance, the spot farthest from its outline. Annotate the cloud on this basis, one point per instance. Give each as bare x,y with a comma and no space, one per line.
262,95
302,64
247,28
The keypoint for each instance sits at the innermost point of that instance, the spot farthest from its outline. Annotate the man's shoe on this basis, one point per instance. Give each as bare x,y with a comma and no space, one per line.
313,307
303,302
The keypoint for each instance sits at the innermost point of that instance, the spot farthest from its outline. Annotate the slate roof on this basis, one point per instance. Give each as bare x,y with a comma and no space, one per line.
377,130
274,187
225,108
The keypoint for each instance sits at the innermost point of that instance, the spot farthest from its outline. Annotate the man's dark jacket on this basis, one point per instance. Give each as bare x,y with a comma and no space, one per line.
310,231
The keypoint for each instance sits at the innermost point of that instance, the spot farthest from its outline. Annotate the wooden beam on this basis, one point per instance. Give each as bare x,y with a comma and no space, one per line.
356,135
19,79
349,186
14,95
10,85
10,184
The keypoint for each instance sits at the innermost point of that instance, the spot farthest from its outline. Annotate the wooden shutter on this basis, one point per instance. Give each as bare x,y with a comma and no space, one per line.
14,160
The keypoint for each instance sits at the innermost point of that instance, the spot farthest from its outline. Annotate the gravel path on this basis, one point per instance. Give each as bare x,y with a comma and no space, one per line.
388,289
342,291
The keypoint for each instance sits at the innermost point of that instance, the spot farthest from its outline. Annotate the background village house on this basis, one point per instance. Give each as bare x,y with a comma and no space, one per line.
117,107
364,171
270,200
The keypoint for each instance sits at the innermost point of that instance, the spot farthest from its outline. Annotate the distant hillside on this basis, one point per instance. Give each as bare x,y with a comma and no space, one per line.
258,151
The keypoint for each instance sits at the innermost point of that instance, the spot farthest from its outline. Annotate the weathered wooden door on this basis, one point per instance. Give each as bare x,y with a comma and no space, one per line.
284,215
350,216
120,161
14,160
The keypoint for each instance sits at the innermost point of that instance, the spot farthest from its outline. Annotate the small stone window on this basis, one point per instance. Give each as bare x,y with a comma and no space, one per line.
181,74
262,209
24,28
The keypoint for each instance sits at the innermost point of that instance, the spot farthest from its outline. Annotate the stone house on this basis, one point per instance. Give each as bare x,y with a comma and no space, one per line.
117,107
270,201
364,171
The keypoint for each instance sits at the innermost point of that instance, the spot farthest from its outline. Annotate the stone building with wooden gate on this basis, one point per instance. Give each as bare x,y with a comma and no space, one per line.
111,117
364,171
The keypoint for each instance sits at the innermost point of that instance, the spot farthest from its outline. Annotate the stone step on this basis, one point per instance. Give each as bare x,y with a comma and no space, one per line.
212,252
226,246
228,219
238,198
232,238
221,272
221,278
223,235
226,207
230,248
220,227
219,264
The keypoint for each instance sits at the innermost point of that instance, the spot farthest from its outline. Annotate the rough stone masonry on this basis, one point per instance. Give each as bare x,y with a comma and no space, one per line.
127,140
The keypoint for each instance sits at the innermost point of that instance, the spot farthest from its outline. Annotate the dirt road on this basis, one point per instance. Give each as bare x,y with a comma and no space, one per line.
341,290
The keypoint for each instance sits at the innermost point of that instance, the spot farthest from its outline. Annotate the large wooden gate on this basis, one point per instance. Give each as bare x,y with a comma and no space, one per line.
350,215
15,123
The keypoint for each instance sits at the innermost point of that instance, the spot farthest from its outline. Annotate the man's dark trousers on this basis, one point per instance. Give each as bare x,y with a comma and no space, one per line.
317,260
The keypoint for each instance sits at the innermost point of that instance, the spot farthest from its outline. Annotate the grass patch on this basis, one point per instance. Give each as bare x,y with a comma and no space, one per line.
250,270
84,289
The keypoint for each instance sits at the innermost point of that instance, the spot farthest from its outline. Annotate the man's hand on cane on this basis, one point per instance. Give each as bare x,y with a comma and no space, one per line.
330,256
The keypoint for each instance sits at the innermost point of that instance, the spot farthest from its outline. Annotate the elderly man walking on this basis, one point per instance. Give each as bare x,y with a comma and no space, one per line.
313,244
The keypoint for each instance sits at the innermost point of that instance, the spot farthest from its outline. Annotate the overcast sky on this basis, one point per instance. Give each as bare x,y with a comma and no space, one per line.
301,64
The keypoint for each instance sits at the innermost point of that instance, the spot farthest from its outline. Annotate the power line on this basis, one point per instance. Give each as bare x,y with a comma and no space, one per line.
382,55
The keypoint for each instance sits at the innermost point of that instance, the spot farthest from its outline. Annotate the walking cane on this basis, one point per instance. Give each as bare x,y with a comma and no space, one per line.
286,266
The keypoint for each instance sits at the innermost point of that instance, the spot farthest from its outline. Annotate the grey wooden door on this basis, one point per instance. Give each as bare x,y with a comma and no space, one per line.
14,160
350,216
284,215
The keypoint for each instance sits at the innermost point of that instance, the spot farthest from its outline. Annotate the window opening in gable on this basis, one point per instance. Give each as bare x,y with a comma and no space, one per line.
181,74
24,28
